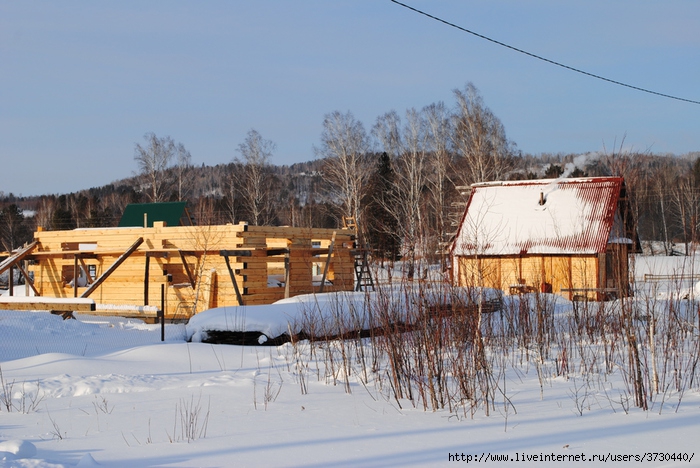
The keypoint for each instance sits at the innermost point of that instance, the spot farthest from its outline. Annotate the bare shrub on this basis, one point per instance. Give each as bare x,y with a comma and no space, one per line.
24,400
192,419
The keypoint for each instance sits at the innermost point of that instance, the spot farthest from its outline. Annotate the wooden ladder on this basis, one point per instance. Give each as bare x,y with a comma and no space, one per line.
363,275
349,223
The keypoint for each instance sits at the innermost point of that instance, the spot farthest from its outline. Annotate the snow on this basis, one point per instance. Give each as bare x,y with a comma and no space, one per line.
106,392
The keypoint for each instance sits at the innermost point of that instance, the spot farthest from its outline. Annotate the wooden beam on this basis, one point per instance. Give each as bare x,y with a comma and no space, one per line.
233,280
114,266
187,268
47,303
17,256
236,253
129,311
68,256
27,279
88,280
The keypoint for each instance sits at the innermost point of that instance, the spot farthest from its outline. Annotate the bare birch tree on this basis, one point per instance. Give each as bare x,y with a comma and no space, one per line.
479,137
254,178
13,228
229,187
410,182
44,212
344,145
406,200
153,158
387,131
440,183
184,162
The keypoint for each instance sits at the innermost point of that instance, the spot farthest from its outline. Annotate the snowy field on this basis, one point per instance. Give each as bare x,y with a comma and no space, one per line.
107,392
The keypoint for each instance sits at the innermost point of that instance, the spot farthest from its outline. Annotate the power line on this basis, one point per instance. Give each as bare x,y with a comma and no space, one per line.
502,44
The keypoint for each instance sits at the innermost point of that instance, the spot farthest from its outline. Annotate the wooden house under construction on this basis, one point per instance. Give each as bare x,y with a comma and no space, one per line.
129,270
566,236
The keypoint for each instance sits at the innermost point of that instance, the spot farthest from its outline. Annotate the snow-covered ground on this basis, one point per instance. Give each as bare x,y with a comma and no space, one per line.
107,392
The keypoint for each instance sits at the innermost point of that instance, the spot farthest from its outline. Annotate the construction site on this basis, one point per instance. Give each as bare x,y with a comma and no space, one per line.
140,271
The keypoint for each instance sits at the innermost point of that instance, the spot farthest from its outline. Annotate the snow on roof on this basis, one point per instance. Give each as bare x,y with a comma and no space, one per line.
552,216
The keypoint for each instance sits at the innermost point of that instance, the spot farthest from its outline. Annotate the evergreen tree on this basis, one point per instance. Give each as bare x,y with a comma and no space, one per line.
381,225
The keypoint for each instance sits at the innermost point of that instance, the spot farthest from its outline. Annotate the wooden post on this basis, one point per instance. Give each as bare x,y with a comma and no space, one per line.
145,280
161,312
213,285
75,276
286,275
27,281
328,262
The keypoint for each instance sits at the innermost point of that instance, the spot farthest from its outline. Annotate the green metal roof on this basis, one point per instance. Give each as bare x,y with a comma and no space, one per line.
170,212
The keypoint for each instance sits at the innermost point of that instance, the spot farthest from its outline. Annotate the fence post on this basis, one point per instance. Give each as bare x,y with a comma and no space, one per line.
161,312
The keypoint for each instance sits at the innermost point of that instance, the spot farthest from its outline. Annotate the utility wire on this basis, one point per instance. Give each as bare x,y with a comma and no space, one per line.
592,75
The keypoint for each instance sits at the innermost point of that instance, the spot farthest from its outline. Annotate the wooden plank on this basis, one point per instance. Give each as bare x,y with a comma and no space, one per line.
114,266
652,277
114,251
48,303
118,310
264,298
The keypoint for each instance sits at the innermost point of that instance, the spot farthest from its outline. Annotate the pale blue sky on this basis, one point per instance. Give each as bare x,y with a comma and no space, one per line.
81,82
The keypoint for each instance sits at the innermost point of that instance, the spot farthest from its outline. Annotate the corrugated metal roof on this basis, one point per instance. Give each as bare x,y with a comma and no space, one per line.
562,216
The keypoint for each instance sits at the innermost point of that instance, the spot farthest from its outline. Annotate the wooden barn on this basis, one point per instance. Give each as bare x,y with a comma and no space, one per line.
127,270
565,236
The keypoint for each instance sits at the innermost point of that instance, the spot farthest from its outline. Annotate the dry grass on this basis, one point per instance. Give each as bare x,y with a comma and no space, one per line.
437,347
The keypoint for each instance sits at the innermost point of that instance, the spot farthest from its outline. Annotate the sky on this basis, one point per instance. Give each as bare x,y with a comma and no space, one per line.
82,82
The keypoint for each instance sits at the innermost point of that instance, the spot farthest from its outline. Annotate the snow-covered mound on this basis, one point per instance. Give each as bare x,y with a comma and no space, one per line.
331,314
16,449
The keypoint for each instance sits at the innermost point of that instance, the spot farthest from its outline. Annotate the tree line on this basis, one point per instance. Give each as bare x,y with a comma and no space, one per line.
403,180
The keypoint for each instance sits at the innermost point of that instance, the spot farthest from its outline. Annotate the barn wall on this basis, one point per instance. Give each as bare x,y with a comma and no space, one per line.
528,273
584,275
511,272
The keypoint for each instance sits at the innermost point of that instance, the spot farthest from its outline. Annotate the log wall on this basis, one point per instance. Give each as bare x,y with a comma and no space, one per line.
268,264
557,274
